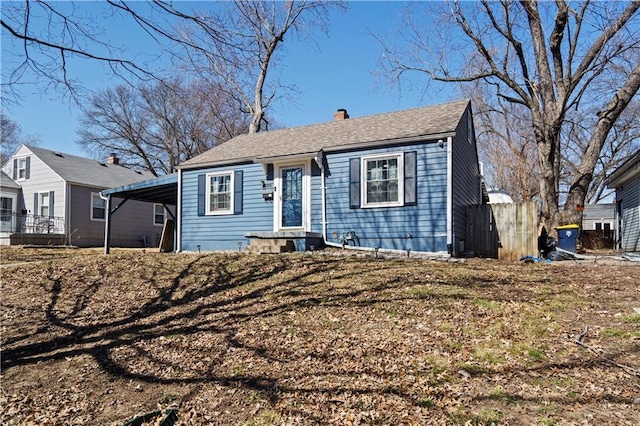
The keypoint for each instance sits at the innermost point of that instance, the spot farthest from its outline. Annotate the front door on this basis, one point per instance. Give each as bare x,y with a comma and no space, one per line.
7,214
292,193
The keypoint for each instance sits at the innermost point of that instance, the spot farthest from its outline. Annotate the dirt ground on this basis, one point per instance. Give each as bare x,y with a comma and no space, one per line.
315,339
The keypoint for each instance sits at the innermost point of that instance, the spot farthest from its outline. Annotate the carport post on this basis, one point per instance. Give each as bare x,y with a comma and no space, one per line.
107,225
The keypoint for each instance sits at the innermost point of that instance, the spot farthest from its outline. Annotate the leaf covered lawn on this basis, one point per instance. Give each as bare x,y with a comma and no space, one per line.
316,339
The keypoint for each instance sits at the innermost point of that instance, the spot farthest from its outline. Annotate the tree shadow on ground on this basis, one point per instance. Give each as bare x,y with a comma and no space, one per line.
222,294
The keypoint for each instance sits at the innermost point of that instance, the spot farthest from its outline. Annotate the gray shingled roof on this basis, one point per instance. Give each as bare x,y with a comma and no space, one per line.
597,211
87,172
426,121
7,182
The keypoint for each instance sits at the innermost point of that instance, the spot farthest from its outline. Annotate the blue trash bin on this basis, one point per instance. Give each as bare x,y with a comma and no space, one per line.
568,237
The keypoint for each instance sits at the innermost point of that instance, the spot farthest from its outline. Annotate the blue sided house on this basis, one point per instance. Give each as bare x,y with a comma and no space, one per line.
396,181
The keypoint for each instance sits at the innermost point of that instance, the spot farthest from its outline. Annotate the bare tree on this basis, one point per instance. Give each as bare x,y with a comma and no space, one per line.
235,43
506,144
11,137
160,125
547,57
258,29
46,37
622,142
508,150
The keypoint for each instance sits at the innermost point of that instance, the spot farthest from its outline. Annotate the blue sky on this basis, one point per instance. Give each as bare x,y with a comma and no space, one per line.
338,70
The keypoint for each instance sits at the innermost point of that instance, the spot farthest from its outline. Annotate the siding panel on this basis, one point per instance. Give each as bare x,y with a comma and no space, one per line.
630,230
130,223
465,179
420,228
40,179
224,232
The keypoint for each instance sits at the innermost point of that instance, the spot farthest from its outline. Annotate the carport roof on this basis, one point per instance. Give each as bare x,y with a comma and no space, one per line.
162,190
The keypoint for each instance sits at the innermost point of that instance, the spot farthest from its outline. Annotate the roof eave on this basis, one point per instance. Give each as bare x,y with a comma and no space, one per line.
205,164
389,142
625,172
312,154
286,157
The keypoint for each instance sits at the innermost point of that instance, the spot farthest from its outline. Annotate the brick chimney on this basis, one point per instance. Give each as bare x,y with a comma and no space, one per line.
340,114
113,159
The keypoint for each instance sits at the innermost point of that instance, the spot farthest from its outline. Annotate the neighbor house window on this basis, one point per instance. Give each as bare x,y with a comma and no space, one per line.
98,207
22,169
383,178
158,214
220,193
44,204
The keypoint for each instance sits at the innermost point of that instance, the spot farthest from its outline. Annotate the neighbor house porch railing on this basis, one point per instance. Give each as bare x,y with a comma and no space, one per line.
31,223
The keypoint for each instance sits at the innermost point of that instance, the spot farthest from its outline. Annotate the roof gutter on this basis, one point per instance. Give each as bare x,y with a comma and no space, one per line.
277,158
206,164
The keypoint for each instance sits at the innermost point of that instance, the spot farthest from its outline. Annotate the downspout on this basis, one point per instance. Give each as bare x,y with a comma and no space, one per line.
107,223
450,247
178,247
67,213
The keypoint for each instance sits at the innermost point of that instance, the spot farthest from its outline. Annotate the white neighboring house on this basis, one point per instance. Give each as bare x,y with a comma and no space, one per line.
49,197
499,196
10,193
599,217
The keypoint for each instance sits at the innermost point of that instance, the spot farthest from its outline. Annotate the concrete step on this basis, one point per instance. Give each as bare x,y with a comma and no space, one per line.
270,246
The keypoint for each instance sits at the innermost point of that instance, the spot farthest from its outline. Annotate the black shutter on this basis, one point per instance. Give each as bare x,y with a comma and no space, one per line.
202,199
15,169
35,203
27,172
237,192
50,203
410,182
354,183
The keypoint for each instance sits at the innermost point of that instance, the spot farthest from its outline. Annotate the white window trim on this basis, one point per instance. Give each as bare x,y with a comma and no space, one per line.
164,214
41,195
363,180
24,169
96,219
207,210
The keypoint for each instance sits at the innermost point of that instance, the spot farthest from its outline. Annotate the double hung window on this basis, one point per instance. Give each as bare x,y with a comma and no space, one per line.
219,193
98,207
383,178
22,168
158,214
44,204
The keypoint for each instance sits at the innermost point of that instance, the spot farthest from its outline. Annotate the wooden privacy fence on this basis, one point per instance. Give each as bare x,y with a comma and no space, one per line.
503,231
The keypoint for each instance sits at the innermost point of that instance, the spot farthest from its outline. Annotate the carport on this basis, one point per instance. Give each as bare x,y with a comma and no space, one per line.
161,190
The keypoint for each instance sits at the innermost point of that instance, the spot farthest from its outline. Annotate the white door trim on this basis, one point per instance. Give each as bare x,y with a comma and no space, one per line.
306,195
14,210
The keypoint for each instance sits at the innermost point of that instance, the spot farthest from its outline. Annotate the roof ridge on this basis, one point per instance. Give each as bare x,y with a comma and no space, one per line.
408,109
66,154
73,156
352,119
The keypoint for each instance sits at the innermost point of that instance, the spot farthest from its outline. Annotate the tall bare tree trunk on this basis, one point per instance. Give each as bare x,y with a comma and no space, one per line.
578,191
